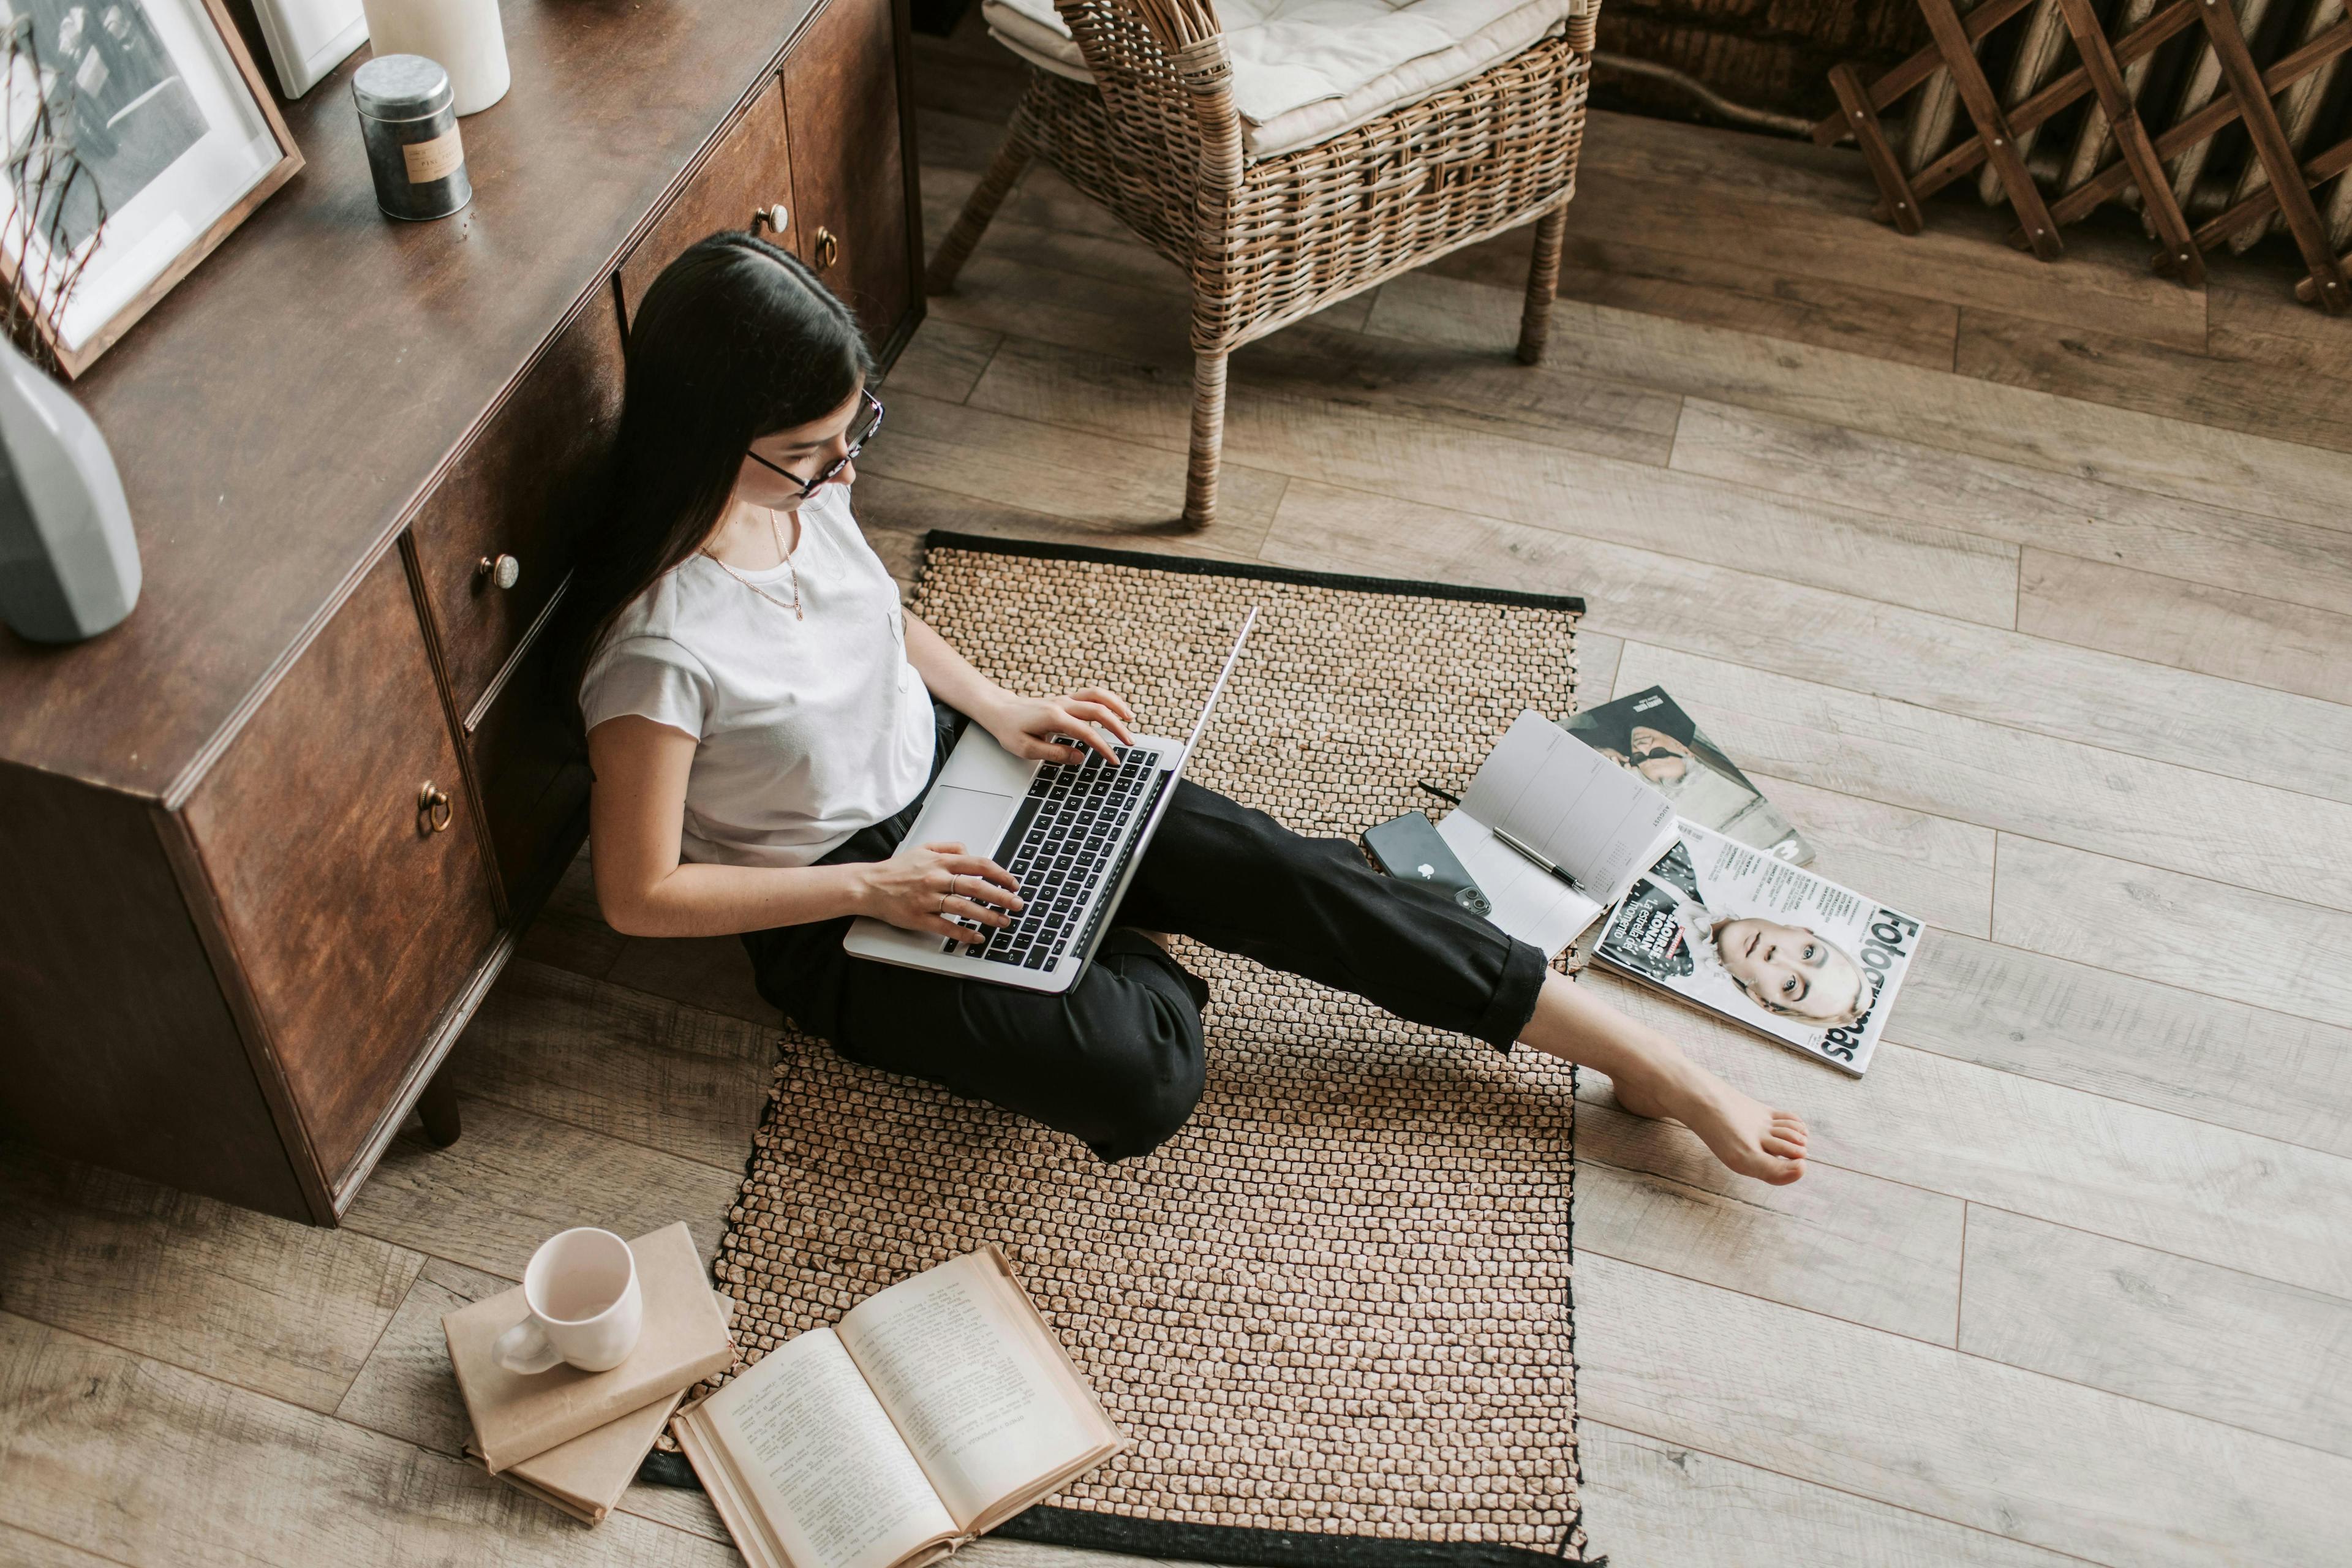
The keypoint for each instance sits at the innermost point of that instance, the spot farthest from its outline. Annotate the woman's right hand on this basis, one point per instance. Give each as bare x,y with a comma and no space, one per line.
920,890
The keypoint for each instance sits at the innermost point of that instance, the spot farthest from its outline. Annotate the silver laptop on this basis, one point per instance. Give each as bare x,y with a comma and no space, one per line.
1071,833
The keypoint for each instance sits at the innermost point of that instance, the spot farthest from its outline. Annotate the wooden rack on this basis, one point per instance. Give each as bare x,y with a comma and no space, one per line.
2285,183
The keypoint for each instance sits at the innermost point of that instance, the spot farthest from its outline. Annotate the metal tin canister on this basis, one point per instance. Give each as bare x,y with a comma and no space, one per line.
409,122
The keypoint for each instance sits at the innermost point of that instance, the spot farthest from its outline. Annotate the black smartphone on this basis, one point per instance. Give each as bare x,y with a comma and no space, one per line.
1407,847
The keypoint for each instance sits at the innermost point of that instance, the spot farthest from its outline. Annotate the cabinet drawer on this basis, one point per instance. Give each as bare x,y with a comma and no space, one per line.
534,784
748,172
496,537
357,911
849,169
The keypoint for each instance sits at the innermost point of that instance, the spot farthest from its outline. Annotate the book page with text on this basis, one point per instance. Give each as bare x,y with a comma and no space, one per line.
830,1475
987,1410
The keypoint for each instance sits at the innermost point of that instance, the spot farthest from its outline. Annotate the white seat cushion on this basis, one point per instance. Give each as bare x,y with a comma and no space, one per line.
1305,70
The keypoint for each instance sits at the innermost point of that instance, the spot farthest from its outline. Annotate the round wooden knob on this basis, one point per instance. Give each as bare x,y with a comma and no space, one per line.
774,217
433,807
502,569
828,249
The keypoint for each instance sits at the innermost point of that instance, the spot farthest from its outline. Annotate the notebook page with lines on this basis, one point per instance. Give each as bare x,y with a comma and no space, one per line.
1602,825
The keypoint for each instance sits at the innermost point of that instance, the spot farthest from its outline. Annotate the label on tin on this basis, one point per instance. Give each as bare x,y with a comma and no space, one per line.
436,159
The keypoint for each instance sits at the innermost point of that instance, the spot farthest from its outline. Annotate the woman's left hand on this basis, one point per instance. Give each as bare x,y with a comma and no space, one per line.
1058,729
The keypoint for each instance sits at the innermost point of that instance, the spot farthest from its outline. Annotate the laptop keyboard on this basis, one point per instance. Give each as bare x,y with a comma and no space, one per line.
1058,847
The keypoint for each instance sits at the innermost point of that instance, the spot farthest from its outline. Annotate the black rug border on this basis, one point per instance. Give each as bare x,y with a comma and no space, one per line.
1255,571
1247,1546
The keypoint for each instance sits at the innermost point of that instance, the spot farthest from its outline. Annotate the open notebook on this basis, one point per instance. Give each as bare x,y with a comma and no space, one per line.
930,1414
1602,825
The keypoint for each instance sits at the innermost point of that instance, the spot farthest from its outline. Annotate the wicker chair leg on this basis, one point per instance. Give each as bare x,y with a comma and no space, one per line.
1013,156
1208,438
1543,284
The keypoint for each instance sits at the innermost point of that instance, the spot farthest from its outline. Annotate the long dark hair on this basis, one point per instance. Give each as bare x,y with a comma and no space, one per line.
736,340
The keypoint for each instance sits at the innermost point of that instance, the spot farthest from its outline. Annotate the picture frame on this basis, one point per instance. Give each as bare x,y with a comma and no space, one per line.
172,122
309,38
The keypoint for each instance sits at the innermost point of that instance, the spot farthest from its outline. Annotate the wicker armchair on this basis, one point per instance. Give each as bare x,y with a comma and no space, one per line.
1155,138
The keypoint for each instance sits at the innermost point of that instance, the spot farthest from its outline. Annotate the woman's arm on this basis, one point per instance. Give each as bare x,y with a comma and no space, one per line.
1022,725
636,819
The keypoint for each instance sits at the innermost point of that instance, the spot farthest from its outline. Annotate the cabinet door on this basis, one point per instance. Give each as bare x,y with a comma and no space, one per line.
748,172
356,906
534,785
841,97
495,538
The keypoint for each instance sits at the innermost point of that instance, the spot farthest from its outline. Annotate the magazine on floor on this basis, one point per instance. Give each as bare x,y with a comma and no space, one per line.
1752,939
1649,733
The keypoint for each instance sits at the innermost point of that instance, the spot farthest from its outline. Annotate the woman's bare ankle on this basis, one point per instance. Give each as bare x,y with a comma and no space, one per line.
1652,1093
1654,1078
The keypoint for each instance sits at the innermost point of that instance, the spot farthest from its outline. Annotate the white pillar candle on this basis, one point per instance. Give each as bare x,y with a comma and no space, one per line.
463,36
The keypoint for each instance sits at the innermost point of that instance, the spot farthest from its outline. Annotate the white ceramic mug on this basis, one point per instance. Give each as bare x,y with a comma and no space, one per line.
585,1307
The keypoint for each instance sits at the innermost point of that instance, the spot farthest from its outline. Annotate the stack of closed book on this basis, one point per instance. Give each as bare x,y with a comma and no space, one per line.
575,1438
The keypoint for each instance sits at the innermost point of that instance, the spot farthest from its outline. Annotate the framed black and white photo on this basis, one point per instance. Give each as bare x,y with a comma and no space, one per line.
176,139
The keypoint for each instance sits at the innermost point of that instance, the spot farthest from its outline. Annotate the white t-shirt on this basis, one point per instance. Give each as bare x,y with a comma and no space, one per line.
810,728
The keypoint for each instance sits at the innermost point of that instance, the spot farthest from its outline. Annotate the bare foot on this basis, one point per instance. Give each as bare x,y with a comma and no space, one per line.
1654,1078
1746,1134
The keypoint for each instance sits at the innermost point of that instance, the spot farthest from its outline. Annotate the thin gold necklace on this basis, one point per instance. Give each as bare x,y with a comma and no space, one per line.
776,529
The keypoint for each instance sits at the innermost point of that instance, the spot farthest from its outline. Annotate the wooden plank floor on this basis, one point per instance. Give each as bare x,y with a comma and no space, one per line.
2027,589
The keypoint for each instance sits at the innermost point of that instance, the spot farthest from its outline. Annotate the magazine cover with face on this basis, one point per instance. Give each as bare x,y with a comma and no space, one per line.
1649,733
1751,937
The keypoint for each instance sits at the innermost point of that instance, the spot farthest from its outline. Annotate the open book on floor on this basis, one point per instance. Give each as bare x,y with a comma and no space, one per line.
1752,939
933,1412
1573,807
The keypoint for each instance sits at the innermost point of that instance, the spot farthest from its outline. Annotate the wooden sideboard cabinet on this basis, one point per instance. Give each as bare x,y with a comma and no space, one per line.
265,845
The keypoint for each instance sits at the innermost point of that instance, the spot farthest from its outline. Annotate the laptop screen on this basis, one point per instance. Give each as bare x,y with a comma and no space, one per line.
1201,723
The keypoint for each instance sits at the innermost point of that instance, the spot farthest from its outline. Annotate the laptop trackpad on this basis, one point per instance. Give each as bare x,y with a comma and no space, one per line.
977,761
974,818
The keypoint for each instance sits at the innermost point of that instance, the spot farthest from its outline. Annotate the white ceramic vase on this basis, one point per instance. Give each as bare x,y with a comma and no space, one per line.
463,37
68,560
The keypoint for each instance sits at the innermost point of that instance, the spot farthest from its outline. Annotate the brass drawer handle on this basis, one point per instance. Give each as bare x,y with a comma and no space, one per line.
774,217
433,807
828,249
501,570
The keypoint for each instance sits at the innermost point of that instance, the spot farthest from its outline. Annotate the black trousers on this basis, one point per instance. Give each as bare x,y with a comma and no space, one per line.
1118,1060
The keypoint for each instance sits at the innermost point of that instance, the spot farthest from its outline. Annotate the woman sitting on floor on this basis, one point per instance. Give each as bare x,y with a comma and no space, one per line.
763,720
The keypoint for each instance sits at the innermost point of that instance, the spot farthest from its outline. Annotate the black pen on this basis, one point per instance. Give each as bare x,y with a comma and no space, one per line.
1537,858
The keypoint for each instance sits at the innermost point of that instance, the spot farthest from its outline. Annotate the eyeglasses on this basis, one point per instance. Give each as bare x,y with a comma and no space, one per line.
873,410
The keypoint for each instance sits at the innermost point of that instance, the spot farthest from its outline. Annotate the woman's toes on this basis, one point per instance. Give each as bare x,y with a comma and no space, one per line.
1748,1136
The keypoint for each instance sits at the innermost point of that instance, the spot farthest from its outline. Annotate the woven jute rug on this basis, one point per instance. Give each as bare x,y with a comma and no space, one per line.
1334,1311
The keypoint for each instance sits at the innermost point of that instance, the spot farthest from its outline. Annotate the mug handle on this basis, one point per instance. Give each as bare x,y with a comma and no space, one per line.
526,1348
